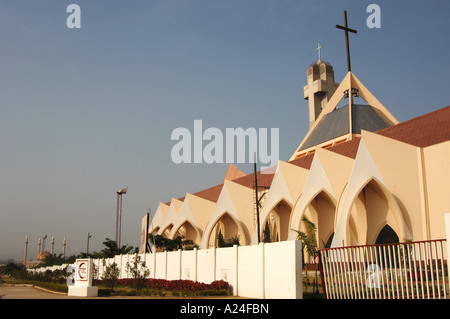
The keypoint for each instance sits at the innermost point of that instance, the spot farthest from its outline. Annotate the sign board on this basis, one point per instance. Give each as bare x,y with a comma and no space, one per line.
83,271
80,282
144,234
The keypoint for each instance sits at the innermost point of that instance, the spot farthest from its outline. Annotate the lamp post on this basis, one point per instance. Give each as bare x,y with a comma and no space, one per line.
119,216
25,252
87,248
39,246
257,202
53,245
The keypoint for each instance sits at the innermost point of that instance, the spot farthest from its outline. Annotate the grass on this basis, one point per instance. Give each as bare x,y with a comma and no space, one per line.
57,287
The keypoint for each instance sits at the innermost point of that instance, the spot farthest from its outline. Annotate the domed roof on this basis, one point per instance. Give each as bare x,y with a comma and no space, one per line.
43,254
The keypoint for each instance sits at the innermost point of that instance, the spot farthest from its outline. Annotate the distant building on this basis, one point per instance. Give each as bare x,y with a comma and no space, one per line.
39,260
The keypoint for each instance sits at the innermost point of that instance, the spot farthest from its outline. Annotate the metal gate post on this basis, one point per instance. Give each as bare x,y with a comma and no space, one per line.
322,275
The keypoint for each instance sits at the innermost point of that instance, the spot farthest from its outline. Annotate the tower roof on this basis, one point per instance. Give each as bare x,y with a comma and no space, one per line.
336,124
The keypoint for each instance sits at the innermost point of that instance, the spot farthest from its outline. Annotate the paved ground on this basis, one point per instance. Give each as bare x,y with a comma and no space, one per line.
28,292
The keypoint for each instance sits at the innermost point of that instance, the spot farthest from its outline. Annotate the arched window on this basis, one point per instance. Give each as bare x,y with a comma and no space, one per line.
329,241
387,256
387,236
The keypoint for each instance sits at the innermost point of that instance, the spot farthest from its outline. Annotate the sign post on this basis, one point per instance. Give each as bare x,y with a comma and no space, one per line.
82,285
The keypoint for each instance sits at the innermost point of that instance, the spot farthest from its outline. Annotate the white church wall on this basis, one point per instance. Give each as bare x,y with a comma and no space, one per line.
173,265
160,265
150,260
123,268
267,270
98,266
118,261
189,265
251,271
206,259
227,266
283,270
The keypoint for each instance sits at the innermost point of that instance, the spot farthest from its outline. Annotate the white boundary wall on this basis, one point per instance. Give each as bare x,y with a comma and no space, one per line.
270,270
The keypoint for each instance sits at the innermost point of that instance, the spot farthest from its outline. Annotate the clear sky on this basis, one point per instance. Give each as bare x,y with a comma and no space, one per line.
85,112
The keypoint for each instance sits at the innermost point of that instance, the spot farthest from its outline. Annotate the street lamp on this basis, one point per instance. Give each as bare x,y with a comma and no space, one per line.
119,216
87,248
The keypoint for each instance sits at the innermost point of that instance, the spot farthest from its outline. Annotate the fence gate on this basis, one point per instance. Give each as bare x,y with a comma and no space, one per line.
411,270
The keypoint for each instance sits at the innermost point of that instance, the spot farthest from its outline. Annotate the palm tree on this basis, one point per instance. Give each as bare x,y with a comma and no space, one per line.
110,250
309,242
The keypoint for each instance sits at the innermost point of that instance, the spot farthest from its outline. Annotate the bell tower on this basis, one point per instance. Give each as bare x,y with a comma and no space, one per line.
320,87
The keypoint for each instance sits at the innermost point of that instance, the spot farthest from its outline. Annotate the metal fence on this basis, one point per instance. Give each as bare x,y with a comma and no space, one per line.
411,270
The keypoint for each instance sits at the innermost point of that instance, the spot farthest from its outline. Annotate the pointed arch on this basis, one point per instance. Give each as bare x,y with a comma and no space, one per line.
372,207
228,226
323,193
154,230
166,231
279,219
189,231
387,236
321,211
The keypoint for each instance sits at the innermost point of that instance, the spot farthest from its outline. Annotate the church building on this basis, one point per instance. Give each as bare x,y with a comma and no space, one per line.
361,176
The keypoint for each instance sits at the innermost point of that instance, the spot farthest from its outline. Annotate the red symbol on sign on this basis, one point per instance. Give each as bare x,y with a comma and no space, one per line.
82,271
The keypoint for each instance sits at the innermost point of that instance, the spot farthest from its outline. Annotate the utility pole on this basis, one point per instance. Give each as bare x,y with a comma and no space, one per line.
257,202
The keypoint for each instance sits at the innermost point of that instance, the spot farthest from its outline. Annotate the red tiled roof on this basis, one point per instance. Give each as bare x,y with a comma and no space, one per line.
211,193
304,161
349,148
428,129
249,180
180,199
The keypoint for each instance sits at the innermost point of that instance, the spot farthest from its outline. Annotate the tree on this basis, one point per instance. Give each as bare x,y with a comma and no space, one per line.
110,250
110,275
221,242
266,233
11,267
51,260
162,243
138,270
309,242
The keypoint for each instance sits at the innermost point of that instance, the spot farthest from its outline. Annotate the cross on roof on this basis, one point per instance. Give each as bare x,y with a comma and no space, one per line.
318,49
347,30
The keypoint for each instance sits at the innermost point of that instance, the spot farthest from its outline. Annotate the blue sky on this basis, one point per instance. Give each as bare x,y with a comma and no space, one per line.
85,112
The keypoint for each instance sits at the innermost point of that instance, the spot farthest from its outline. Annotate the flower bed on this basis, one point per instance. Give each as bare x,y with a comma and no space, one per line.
174,285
